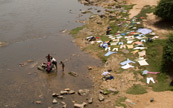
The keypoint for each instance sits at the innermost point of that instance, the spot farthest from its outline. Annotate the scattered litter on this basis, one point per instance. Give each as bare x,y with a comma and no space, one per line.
141,48
122,46
129,46
115,49
105,73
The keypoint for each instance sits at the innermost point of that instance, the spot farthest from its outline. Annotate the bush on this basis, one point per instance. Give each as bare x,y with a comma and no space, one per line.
165,9
168,55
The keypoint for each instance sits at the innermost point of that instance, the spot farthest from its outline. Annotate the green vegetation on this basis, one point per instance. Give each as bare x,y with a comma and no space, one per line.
136,89
168,55
76,30
154,55
120,100
165,9
146,9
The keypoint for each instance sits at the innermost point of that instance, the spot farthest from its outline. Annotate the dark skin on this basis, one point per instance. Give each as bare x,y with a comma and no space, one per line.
63,66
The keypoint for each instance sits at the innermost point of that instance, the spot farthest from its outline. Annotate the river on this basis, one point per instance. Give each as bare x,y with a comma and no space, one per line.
33,29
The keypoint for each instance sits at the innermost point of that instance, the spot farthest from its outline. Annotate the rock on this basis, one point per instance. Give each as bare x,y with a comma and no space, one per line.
101,97
112,90
54,101
63,92
3,44
90,68
80,105
90,101
98,11
37,102
107,100
71,92
67,89
60,97
83,92
54,94
102,16
99,23
30,61
73,74
103,92
64,105
152,100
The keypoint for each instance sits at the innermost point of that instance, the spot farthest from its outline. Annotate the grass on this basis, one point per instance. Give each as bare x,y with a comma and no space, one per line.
119,102
146,9
154,55
136,89
76,30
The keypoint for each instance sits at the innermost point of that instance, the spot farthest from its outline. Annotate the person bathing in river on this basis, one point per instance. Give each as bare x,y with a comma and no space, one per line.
63,66
54,62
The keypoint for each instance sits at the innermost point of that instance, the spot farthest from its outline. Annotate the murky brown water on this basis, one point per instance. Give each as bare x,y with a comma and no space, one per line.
32,29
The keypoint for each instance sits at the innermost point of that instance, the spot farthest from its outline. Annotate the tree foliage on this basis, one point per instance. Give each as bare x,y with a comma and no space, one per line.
168,55
165,9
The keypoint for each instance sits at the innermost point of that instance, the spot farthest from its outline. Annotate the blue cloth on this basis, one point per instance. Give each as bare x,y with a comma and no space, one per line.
120,43
109,53
144,72
144,31
123,34
126,62
105,45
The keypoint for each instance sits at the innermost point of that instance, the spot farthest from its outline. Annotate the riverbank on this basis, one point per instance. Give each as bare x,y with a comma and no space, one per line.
128,89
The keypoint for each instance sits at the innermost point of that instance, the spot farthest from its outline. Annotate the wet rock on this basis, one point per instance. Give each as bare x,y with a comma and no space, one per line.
73,74
90,101
98,11
67,89
90,68
30,61
101,97
54,94
71,92
80,105
83,92
54,101
60,97
63,92
64,104
3,44
37,102
102,16
103,92
85,12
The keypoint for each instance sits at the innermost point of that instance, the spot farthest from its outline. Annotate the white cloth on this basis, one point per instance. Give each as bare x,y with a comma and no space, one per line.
53,60
150,79
108,48
105,73
127,66
143,62
115,49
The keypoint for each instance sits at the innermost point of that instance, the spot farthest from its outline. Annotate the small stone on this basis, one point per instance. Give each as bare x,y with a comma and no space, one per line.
60,97
90,101
71,92
101,97
99,22
83,92
63,92
112,90
64,104
67,89
37,102
54,94
54,101
89,68
80,105
152,100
